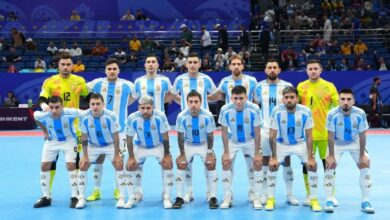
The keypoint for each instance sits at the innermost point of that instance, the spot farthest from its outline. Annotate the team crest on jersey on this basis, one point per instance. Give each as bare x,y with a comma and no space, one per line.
104,126
104,89
283,122
200,83
186,85
340,124
143,88
153,127
231,87
246,120
233,120
264,92
66,125
202,125
91,126
139,128
118,91
189,126
158,88
298,123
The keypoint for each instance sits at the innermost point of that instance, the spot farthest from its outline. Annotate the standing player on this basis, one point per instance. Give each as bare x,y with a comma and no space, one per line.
59,134
268,94
100,135
236,66
347,126
195,127
184,84
244,121
67,86
150,127
291,126
320,96
118,95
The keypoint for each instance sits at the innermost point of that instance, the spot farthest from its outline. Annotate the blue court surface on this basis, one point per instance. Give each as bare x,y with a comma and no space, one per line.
20,188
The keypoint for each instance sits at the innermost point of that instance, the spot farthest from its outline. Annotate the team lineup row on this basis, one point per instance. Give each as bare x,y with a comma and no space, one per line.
279,120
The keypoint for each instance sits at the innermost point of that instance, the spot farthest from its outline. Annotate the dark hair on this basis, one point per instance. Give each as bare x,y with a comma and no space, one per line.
272,60
346,91
55,99
193,54
194,93
112,61
96,96
290,89
151,55
376,79
65,56
314,61
233,57
237,90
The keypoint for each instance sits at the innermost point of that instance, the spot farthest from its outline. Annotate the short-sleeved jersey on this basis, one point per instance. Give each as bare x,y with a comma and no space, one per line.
226,85
69,89
374,90
346,128
291,126
184,84
99,130
62,128
195,129
147,133
269,95
157,88
320,97
116,96
241,123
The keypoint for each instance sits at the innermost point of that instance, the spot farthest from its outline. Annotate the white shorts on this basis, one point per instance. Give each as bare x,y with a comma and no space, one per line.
141,153
266,148
52,148
191,150
353,149
95,151
247,148
284,150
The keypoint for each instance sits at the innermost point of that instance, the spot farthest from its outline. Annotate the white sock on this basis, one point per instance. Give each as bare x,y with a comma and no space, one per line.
138,175
45,183
97,175
265,170
271,180
120,178
258,183
329,184
365,183
180,180
212,180
227,182
313,184
168,182
73,183
130,183
82,183
249,170
188,176
288,176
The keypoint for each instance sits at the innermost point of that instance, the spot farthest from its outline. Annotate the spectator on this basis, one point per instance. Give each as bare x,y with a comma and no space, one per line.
184,49
309,49
40,65
382,66
135,44
2,18
290,64
265,36
244,37
133,57
64,49
360,48
18,39
288,51
30,44
128,16
120,55
327,29
205,40
99,49
140,16
12,69
186,35
12,57
244,51
332,47
3,44
180,63
87,51
168,65
219,60
79,66
247,61
75,51
75,16
172,49
230,52
206,64
12,16
11,100
147,44
361,65
346,48
52,49
326,6
330,65
223,38
343,66
124,44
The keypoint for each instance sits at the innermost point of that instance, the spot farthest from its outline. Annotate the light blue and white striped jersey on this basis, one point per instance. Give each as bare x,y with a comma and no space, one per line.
241,124
116,96
147,133
195,129
346,128
99,130
184,84
156,88
291,126
60,129
226,85
268,96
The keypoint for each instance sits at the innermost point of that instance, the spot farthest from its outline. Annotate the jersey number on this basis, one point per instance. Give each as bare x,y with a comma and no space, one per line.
99,134
67,96
239,127
290,130
147,134
195,132
272,101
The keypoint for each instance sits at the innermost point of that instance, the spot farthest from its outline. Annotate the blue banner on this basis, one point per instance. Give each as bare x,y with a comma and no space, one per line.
28,86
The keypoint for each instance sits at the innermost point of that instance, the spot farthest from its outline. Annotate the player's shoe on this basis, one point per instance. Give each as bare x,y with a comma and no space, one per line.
42,202
367,208
167,202
188,197
329,207
81,203
335,202
306,202
96,195
270,205
138,196
251,195
263,199
120,203
315,205
213,203
73,202
130,203
227,202
178,203
257,204
292,200
117,194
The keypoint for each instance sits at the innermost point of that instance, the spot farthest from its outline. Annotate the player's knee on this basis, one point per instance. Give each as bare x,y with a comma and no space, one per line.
181,166
210,166
70,166
45,166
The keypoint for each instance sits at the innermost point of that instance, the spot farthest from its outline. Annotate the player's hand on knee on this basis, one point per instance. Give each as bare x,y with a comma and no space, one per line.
131,164
364,162
257,162
273,164
118,162
181,162
311,164
166,162
210,161
226,161
331,162
84,162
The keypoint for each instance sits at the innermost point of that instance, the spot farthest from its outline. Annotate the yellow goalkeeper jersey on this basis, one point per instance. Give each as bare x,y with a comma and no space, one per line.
320,97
